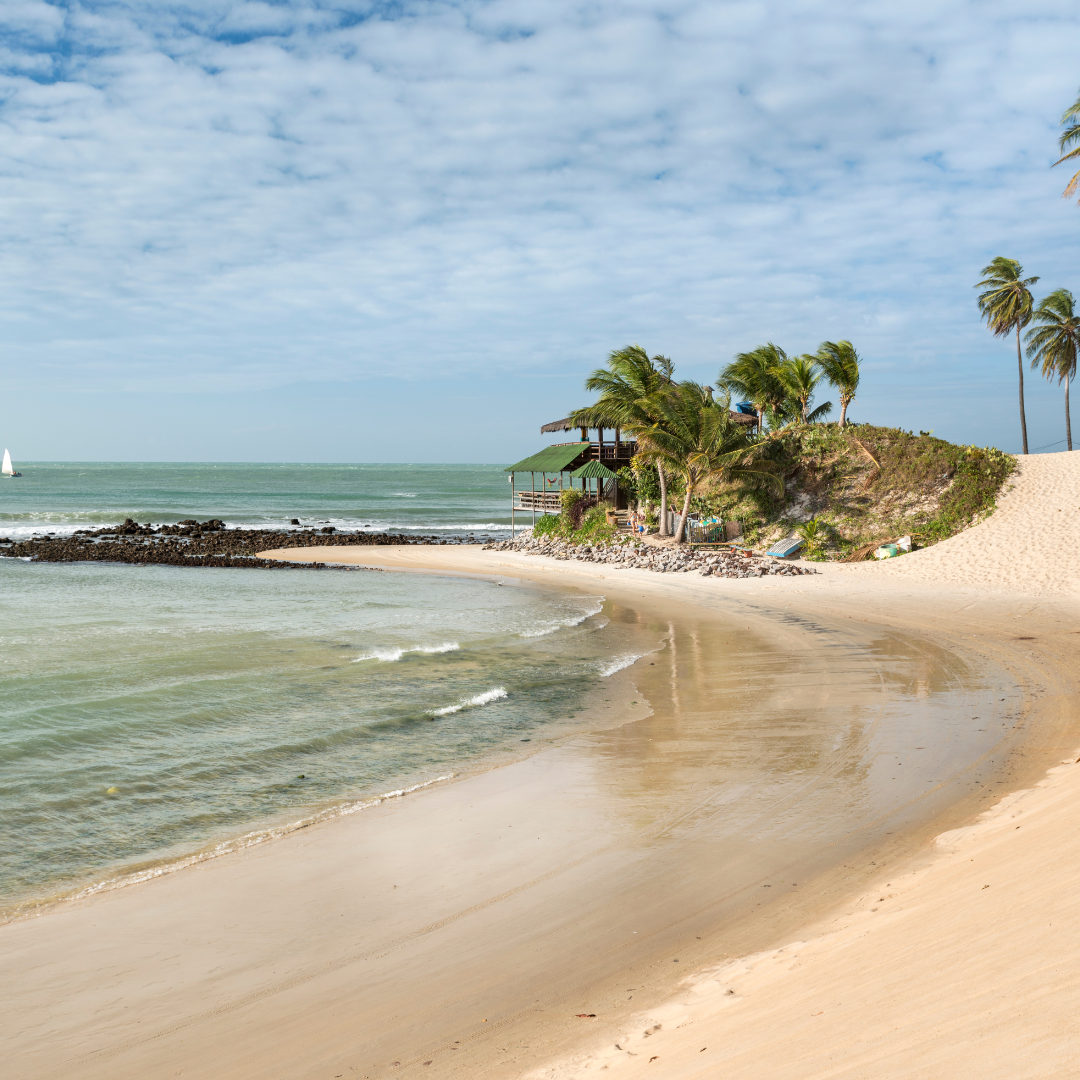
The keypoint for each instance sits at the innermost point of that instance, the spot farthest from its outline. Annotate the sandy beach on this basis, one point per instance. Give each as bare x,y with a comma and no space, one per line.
921,930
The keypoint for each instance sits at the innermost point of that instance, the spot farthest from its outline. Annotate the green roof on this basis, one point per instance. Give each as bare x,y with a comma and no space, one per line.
594,470
551,459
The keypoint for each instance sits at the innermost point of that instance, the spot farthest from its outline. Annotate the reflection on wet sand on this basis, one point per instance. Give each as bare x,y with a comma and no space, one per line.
451,928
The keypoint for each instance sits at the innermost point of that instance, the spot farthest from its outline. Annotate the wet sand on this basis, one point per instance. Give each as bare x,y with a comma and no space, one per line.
805,733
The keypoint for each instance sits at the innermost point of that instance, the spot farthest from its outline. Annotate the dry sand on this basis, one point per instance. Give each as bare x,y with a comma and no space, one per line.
300,958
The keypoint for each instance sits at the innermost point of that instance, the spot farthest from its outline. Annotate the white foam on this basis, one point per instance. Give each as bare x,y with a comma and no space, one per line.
563,624
617,663
469,703
390,655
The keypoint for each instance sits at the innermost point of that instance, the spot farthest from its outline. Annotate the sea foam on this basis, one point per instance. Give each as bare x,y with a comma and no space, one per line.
469,703
390,655
617,663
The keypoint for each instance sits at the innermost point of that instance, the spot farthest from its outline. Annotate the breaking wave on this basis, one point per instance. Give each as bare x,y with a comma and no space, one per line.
469,703
390,655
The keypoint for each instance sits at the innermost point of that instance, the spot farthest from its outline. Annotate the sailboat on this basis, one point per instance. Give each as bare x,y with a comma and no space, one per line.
8,469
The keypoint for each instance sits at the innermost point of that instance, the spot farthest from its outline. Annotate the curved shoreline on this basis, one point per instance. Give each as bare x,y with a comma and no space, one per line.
240,1026
422,941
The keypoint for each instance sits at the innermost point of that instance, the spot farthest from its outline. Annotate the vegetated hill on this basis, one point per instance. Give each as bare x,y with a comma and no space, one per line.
867,485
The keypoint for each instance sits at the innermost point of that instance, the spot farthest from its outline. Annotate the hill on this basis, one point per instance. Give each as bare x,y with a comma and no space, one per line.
866,485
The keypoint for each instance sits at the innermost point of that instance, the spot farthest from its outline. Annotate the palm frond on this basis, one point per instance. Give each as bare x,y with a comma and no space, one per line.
1006,302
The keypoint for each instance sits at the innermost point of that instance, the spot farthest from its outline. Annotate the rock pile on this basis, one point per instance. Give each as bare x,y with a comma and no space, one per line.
633,555
194,543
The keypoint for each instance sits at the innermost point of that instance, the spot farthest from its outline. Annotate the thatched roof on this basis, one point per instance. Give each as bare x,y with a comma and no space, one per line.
569,425
743,418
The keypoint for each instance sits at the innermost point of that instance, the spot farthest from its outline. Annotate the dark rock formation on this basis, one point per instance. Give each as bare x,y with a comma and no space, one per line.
193,543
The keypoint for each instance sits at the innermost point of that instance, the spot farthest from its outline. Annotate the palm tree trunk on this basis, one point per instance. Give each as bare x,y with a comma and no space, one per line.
1068,422
1020,365
663,500
680,532
843,410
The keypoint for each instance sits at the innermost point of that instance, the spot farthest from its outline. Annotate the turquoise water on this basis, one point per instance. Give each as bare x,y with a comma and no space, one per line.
150,715
446,499
151,711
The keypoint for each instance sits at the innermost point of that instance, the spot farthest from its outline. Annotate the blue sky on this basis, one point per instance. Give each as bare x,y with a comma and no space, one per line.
360,231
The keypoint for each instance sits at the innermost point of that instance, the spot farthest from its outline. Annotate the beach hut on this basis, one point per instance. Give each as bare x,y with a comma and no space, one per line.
557,468
554,464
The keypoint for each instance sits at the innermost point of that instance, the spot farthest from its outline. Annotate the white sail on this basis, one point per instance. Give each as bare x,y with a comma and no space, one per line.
7,469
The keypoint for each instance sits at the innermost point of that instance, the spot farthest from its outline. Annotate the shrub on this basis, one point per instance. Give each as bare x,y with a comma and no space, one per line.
569,497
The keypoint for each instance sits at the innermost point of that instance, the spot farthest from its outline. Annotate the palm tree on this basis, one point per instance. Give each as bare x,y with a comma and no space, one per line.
1069,136
1054,342
629,390
695,437
1006,306
840,363
800,376
753,375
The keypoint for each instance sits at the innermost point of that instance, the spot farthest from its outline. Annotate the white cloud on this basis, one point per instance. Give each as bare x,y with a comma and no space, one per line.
233,193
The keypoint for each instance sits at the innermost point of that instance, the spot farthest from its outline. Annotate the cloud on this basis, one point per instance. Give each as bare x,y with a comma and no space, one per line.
241,194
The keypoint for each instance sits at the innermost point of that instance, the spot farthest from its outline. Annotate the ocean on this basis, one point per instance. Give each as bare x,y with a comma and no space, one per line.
449,500
155,715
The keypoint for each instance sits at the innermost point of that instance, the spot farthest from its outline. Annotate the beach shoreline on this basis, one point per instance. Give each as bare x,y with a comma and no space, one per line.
238,969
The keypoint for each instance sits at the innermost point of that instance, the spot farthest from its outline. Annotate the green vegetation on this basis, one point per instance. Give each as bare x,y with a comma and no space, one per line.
1005,303
849,488
1069,137
631,390
844,488
696,439
590,527
1053,343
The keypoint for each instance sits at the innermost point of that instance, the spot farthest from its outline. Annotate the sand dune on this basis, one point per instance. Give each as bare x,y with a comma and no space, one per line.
1027,546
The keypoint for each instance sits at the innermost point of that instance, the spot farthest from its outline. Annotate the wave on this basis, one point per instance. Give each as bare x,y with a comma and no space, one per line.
239,843
390,655
469,703
563,624
617,663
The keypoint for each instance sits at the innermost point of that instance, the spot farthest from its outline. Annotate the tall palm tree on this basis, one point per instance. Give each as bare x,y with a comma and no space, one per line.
840,363
1053,344
800,376
695,438
753,375
629,390
1006,306
1070,136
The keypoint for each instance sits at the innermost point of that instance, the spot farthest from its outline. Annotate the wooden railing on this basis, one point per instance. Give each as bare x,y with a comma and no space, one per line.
546,502
609,451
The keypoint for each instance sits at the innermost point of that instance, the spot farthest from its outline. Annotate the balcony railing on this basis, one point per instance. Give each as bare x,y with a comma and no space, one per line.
610,452
544,502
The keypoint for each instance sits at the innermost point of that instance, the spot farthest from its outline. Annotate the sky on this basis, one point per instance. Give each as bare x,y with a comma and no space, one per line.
348,231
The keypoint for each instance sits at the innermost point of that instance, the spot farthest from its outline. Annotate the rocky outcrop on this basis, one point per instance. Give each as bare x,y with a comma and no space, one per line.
195,543
633,555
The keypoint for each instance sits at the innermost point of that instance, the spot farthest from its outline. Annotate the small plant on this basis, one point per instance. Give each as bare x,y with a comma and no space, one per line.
810,531
569,497
548,525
